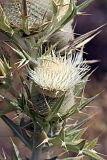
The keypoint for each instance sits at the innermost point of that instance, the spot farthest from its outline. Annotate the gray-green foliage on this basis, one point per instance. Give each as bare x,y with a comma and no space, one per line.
37,128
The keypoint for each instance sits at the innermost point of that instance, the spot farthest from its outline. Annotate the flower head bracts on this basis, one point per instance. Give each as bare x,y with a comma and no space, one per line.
36,11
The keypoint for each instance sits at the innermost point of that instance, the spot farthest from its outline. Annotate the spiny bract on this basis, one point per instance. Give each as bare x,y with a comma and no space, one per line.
55,76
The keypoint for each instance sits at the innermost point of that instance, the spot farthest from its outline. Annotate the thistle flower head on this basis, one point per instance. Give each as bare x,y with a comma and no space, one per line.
35,11
55,75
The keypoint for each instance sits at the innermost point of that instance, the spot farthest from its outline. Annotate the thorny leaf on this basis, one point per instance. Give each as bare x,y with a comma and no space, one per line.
17,153
19,132
92,154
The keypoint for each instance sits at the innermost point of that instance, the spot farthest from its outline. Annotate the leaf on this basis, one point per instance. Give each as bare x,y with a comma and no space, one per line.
4,24
75,146
21,52
75,134
72,158
65,19
55,8
81,123
17,154
87,40
92,154
4,154
19,132
81,40
11,106
91,144
83,5
22,63
78,107
56,25
87,101
77,42
72,111
72,132
79,88
25,58
79,134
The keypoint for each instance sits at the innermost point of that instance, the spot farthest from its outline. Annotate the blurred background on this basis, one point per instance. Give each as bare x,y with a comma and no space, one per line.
97,50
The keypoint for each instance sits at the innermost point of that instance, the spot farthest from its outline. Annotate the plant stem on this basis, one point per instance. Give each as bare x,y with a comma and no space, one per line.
37,147
36,153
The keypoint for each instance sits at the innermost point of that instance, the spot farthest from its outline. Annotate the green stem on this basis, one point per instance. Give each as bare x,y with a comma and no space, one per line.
37,147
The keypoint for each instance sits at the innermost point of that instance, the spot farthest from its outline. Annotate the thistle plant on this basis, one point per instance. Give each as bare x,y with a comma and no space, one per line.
52,76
